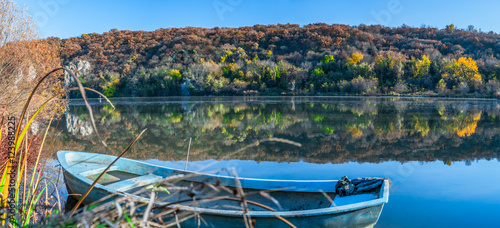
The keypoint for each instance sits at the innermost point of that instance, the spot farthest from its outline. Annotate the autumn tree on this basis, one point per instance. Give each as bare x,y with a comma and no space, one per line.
462,75
465,68
450,27
24,59
419,67
355,58
389,67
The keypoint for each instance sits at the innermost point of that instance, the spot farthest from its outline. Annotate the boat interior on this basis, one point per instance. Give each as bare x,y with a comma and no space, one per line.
128,177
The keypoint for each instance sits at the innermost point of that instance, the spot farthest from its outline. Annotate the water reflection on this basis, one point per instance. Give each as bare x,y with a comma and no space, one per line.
75,126
336,130
434,150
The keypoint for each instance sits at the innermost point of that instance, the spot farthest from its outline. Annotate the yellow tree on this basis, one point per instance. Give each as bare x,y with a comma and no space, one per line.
355,58
464,69
450,27
421,67
465,127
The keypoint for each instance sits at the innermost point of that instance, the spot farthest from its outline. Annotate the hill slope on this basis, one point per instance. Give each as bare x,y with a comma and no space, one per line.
275,59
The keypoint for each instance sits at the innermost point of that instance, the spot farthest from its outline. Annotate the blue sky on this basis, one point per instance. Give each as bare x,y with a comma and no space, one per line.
68,18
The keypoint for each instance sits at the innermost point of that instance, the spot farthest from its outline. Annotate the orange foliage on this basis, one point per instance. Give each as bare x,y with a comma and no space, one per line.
354,131
24,59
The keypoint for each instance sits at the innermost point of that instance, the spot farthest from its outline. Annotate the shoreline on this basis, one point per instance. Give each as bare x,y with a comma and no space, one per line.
187,98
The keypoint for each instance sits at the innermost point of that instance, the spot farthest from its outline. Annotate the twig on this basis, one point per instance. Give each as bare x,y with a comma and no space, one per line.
119,208
177,220
105,220
187,157
244,204
89,108
102,174
269,197
328,197
148,210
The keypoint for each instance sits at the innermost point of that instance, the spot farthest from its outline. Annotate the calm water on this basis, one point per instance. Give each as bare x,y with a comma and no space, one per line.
441,154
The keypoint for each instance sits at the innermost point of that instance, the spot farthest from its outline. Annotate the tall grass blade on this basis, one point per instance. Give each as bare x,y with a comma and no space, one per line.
4,176
3,183
16,148
29,100
20,135
37,162
89,108
31,207
23,133
16,138
104,172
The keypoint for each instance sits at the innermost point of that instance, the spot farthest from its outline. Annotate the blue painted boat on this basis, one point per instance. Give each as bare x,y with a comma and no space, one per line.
301,201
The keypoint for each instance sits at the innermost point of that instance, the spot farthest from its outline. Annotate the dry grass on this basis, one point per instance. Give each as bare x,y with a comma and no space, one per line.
28,196
151,206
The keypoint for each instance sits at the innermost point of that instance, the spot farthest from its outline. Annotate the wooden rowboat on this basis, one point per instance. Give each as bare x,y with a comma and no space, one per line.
301,202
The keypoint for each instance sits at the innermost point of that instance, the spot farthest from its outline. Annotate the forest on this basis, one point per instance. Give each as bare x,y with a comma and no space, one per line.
288,59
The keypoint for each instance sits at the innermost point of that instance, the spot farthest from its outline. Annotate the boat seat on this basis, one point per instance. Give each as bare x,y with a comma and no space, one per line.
98,169
135,182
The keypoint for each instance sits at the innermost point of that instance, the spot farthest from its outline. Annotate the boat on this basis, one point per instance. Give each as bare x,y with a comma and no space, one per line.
304,203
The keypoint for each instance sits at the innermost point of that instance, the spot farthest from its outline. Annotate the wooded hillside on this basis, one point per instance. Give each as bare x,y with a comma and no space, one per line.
277,59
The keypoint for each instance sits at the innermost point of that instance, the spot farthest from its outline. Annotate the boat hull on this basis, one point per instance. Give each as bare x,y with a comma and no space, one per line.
366,217
364,214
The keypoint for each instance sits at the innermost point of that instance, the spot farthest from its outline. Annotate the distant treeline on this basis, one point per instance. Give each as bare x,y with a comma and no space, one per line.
289,59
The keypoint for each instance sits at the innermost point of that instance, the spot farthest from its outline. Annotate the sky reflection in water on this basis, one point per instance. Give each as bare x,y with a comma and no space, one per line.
429,194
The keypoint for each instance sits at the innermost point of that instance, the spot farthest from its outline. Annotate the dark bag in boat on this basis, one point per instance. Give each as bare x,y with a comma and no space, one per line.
346,187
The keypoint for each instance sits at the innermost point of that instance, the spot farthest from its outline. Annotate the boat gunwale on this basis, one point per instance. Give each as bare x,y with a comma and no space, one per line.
383,194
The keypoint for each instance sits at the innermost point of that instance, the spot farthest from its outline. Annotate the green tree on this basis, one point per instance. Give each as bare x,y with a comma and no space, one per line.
389,67
420,67
318,71
327,59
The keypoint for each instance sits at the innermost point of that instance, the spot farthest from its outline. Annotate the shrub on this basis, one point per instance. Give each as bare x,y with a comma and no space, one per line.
355,58
401,88
492,88
441,87
327,59
343,86
175,74
360,85
110,88
318,71
463,88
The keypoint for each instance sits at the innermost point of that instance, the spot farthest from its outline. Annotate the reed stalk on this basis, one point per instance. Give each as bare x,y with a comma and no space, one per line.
27,199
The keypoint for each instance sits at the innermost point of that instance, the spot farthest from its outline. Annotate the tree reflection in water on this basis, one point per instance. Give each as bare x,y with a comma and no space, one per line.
331,129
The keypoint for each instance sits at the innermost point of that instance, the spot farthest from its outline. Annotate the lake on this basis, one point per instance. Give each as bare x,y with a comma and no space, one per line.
441,154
